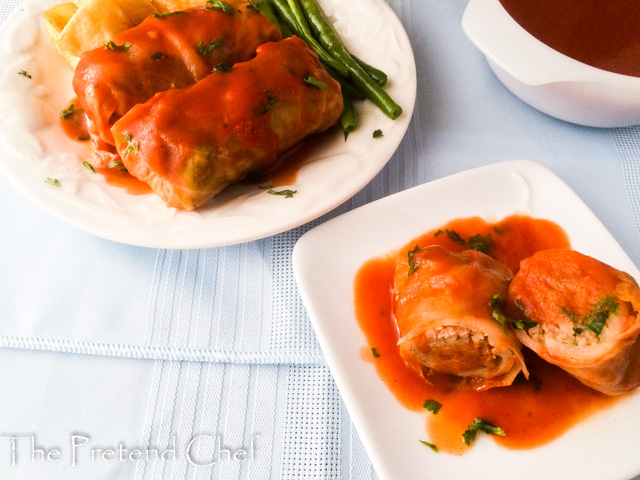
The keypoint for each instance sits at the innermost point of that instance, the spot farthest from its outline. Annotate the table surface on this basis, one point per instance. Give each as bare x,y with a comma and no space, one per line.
65,384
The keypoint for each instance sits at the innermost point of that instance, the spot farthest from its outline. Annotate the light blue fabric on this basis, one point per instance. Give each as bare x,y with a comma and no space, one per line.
254,367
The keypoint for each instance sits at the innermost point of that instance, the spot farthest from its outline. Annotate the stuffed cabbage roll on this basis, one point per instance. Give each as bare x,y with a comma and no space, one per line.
586,314
188,144
163,52
442,308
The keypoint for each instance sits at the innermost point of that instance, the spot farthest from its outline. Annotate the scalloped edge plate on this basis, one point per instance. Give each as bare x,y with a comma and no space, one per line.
33,146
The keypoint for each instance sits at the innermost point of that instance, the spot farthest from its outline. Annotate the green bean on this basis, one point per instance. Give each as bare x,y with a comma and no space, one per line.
347,87
360,78
378,76
303,31
348,119
267,10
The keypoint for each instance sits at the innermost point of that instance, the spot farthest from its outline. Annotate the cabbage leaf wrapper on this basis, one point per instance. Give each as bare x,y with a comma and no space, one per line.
443,312
189,144
163,52
587,317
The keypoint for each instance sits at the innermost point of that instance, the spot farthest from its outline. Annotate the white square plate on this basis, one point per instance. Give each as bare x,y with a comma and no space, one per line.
605,446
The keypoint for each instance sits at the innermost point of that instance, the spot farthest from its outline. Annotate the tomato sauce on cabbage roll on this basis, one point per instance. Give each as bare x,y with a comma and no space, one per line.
163,52
189,144
443,312
587,317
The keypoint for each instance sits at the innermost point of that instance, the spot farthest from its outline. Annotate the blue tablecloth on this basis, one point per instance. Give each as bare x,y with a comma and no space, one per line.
75,405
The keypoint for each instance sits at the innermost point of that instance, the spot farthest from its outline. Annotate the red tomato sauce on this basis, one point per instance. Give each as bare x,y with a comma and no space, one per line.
76,125
531,413
601,33
290,162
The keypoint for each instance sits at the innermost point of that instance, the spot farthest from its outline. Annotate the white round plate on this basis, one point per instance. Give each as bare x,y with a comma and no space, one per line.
33,147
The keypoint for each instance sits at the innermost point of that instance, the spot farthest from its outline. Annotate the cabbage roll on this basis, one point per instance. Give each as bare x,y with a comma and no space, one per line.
188,144
163,52
442,308
586,314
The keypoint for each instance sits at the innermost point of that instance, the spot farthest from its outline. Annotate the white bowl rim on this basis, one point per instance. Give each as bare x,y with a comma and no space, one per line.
502,40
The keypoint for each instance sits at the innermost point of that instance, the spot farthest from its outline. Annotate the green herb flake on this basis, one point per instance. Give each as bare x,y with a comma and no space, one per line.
377,133
597,317
66,114
595,320
480,425
24,74
284,193
52,181
157,56
497,304
168,14
438,233
116,164
315,82
222,67
569,314
267,106
375,352
132,147
110,45
476,242
89,166
497,313
205,50
523,324
412,260
432,406
219,5
430,445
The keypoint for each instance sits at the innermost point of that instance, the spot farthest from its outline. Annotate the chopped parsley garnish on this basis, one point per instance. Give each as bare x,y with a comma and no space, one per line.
374,352
284,193
133,147
438,232
110,45
569,314
117,163
157,56
377,133
204,50
476,242
222,67
480,425
270,101
24,74
219,5
315,82
497,313
52,181
595,319
89,166
432,406
430,445
168,14
412,260
66,114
